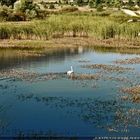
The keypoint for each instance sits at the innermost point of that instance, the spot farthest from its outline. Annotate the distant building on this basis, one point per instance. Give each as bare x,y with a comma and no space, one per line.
51,1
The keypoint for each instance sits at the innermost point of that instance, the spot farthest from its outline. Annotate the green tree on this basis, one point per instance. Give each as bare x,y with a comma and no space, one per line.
130,2
27,7
8,2
117,3
79,2
97,2
138,2
91,3
23,5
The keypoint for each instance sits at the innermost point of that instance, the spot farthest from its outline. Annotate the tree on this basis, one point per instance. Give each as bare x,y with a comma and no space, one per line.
8,2
91,3
27,7
23,5
117,3
138,2
79,2
130,2
97,2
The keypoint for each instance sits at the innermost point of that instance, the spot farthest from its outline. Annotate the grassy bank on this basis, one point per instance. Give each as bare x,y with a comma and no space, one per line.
57,26
112,32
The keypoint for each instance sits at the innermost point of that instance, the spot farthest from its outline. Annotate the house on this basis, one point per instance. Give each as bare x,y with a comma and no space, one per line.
50,1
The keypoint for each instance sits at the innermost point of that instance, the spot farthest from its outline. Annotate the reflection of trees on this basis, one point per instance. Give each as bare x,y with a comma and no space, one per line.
115,50
108,114
8,59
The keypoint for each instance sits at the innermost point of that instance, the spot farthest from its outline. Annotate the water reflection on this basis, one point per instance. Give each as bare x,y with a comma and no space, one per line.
11,58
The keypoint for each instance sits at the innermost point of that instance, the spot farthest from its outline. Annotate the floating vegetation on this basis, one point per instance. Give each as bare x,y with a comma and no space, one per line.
134,93
18,74
27,75
107,114
83,61
119,79
127,116
85,76
135,60
132,90
108,68
32,134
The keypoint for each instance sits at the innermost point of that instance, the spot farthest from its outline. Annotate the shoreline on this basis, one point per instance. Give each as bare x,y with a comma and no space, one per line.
121,45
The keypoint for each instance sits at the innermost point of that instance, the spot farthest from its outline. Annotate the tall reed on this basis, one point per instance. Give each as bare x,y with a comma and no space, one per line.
70,25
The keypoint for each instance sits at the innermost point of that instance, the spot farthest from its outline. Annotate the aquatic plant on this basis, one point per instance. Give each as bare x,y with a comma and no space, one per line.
108,68
135,60
134,92
85,76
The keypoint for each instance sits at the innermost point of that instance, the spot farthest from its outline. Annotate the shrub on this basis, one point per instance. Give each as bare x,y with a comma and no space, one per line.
30,14
69,9
103,13
91,3
99,8
4,12
119,16
51,6
4,33
16,17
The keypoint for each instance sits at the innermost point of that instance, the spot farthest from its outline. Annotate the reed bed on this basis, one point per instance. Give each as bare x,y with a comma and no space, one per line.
134,91
108,68
135,60
57,26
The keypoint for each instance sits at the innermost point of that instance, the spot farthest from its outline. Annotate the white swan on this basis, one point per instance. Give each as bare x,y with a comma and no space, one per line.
70,71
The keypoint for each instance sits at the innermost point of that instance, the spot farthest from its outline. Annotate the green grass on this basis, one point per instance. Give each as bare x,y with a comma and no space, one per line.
57,26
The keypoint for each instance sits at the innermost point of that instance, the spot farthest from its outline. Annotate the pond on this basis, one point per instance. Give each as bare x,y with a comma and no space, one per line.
37,97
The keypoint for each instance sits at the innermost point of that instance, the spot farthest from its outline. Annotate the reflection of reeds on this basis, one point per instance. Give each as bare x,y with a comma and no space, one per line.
28,75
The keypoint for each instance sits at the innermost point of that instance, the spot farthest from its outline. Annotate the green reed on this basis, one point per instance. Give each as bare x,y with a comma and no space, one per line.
70,25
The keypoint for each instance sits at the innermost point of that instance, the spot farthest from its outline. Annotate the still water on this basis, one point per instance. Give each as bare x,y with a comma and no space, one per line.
63,106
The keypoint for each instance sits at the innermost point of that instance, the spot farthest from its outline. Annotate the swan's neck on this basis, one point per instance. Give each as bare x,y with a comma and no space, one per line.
71,68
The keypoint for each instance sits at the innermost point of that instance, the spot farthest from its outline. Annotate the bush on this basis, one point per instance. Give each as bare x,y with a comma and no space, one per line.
119,16
51,6
91,3
4,12
69,9
99,8
30,14
4,33
16,17
103,13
